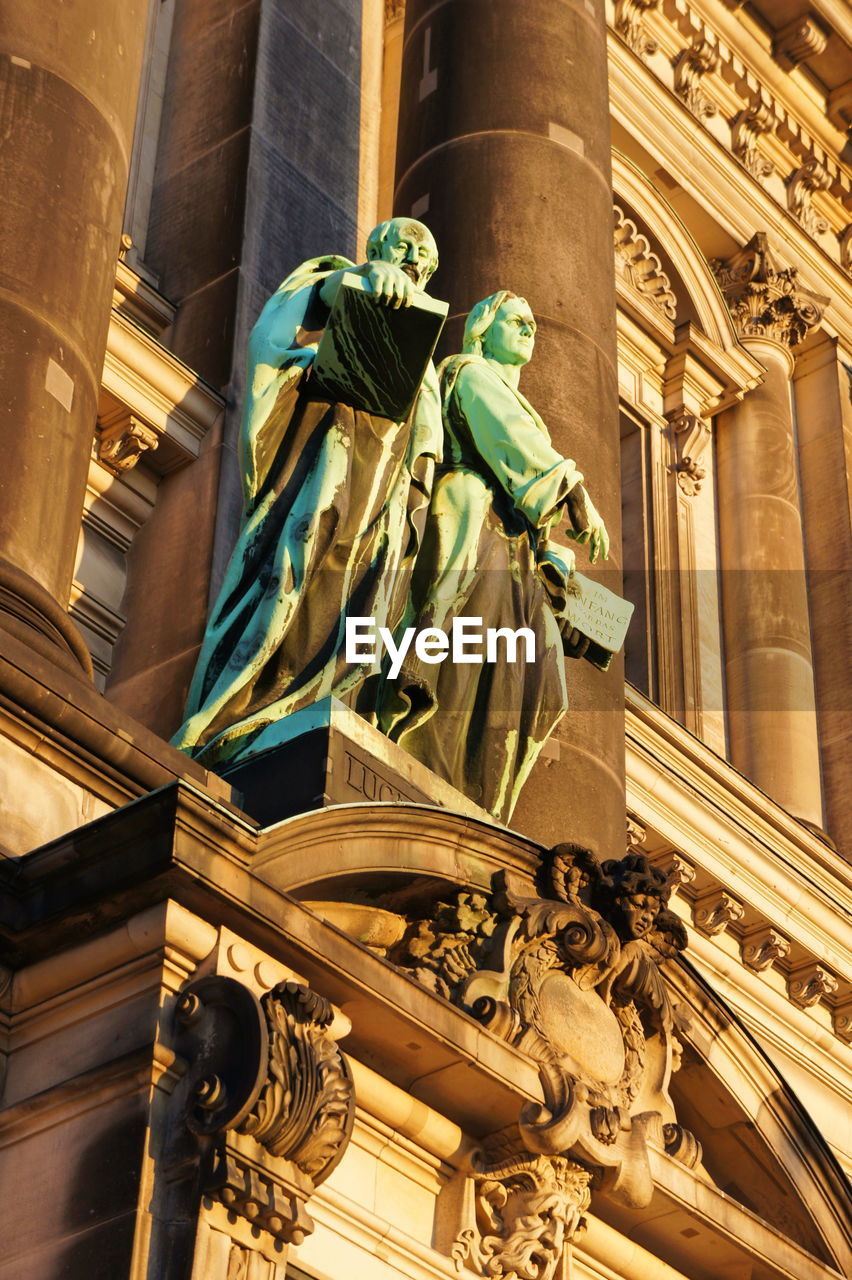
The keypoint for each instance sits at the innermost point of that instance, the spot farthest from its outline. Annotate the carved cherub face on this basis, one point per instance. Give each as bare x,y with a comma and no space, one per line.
640,911
510,338
410,245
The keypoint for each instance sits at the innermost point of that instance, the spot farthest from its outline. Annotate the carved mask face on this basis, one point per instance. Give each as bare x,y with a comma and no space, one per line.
510,337
411,246
640,911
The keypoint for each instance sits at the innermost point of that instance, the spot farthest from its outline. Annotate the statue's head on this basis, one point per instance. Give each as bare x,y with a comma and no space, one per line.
408,244
637,891
501,328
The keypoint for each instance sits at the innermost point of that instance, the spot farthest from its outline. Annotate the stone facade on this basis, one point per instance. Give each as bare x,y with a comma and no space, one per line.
347,1025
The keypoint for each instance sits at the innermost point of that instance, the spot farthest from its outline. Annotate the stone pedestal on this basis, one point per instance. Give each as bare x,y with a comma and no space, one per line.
327,755
68,87
504,151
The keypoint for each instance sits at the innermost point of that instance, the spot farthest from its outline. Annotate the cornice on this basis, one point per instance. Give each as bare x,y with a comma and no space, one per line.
703,166
736,834
152,386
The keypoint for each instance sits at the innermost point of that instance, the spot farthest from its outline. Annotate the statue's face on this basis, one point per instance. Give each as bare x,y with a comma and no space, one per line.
640,912
411,246
510,337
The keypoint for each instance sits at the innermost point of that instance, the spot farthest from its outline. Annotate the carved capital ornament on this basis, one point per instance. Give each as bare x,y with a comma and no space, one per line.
765,299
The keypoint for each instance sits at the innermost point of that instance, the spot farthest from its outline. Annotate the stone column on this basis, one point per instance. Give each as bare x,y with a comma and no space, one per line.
823,395
768,663
504,150
68,84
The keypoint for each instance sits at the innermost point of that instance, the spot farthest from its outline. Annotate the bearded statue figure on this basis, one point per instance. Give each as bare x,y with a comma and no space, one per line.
334,501
488,554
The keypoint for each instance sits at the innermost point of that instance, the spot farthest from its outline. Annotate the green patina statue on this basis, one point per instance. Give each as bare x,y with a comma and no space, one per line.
487,553
335,499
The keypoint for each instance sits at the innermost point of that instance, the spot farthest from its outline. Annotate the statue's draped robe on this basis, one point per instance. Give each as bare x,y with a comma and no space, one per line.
487,554
334,502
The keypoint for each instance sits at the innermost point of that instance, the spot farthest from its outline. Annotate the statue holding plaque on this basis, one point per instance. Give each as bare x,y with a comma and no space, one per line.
341,431
488,557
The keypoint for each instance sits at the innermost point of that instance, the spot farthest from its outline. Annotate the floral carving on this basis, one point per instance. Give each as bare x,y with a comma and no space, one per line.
765,299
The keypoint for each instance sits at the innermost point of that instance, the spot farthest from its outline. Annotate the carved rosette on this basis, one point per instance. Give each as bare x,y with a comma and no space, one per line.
692,64
527,1209
766,300
271,1098
573,978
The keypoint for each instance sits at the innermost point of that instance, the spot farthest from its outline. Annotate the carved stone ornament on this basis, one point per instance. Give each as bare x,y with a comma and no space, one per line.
761,949
640,266
573,979
714,910
121,443
636,833
765,299
527,1209
808,985
803,38
272,1099
841,1018
801,185
845,239
691,66
752,123
630,18
691,437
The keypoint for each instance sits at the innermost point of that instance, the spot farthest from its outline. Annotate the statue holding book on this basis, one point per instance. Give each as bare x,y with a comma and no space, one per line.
341,431
488,553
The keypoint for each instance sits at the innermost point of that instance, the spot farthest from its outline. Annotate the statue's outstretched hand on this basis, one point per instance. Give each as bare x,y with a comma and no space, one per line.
390,284
589,527
598,537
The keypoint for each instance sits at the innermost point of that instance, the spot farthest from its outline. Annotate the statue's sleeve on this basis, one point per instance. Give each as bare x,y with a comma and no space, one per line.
514,446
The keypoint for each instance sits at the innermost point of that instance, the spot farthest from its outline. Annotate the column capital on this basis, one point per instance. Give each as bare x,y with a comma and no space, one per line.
766,300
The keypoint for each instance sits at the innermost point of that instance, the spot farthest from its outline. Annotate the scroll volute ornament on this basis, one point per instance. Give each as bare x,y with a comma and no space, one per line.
270,1087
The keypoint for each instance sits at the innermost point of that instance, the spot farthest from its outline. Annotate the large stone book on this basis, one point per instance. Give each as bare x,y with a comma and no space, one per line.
599,614
373,356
